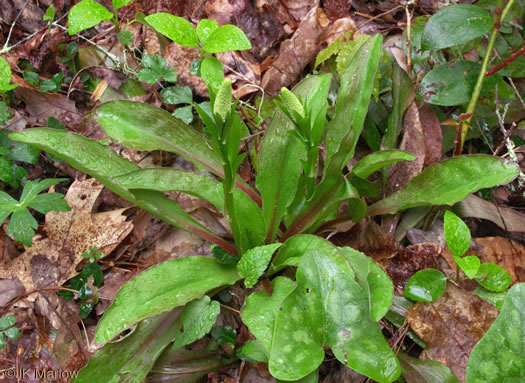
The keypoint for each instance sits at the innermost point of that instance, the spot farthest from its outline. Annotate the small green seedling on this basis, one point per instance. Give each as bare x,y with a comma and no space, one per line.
5,115
10,153
5,76
87,297
155,70
7,330
489,275
180,95
22,224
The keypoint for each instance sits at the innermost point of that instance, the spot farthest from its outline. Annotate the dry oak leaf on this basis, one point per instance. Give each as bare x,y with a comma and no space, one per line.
508,254
451,326
52,260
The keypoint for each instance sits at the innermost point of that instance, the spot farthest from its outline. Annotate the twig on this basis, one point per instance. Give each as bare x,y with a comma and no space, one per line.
12,26
408,46
466,120
508,61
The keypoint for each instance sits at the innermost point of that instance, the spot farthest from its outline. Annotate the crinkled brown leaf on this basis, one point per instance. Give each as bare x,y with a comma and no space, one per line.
451,326
52,260
432,133
413,142
410,260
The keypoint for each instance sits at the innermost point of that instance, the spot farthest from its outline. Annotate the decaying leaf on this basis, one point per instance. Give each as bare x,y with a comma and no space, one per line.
52,260
508,254
410,260
432,133
506,218
413,142
451,326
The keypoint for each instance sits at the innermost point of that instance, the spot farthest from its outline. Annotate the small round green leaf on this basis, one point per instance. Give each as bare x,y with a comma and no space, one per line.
12,333
175,28
177,95
454,25
493,277
7,321
86,14
227,38
426,285
457,234
205,28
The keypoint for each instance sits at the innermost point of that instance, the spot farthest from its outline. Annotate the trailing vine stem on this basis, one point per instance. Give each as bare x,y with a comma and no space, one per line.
465,119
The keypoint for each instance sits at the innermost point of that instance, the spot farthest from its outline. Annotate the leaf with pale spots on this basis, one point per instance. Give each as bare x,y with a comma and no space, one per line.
329,308
500,354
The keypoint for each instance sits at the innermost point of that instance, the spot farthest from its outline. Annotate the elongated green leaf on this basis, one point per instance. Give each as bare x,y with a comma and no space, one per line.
226,38
102,163
417,370
280,154
86,14
5,77
354,96
317,315
131,359
167,179
376,160
454,25
161,288
123,121
175,28
500,355
447,182
254,262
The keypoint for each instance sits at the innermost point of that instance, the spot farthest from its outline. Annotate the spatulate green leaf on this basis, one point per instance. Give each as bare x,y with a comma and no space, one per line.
123,121
101,162
161,288
377,160
312,318
132,358
454,25
500,355
447,182
354,96
281,154
175,28
205,28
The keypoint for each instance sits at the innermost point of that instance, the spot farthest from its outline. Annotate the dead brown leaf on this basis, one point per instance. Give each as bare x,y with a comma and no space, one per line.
410,260
53,260
413,142
508,254
295,53
451,326
432,133
506,218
